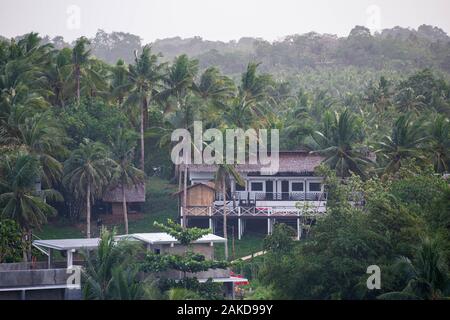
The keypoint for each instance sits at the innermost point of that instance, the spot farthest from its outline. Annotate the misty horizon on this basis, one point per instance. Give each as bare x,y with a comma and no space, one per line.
215,21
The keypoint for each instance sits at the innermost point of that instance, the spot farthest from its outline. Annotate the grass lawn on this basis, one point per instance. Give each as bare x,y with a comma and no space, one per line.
159,206
250,243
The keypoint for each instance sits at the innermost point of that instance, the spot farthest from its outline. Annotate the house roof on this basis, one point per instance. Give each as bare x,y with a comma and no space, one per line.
150,238
289,161
209,185
135,193
165,238
68,244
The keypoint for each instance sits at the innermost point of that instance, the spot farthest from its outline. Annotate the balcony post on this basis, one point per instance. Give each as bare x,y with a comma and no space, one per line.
69,258
181,214
239,224
210,219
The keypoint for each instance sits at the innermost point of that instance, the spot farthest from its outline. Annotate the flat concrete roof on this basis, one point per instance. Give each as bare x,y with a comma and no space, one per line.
150,238
165,238
68,244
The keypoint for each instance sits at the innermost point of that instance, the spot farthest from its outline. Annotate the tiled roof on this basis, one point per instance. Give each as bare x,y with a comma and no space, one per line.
295,162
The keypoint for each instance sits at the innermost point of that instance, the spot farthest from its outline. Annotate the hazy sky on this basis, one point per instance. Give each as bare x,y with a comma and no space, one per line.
215,19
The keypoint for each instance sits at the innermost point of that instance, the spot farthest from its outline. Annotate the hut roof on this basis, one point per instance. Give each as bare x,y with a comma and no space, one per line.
135,193
209,185
289,161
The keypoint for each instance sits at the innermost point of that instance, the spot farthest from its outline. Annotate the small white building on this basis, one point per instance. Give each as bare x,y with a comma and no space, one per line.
49,280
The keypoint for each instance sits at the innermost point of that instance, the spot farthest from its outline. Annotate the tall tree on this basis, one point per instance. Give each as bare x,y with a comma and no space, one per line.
340,141
439,143
224,174
125,175
179,84
80,60
119,82
404,142
20,201
86,173
145,77
43,138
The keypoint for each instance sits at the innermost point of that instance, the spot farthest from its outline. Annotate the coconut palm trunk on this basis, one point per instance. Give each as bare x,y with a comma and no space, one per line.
142,138
224,190
88,211
77,80
27,245
125,210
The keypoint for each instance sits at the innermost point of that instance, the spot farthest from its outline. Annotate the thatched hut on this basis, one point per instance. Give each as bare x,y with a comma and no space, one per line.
135,195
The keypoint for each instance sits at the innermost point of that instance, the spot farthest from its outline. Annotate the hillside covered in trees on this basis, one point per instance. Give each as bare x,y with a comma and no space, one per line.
76,120
399,49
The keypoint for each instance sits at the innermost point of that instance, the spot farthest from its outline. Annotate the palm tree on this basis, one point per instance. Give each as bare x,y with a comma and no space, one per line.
80,60
215,88
250,105
111,272
125,175
119,82
40,136
407,101
223,176
439,143
339,141
179,84
427,276
254,86
379,95
403,143
56,73
20,200
145,78
86,173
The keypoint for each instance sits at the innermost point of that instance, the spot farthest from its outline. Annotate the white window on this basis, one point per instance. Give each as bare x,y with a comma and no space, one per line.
257,186
296,186
315,186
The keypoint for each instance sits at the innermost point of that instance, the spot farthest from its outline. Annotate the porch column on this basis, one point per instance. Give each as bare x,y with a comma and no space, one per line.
50,258
299,229
69,259
210,219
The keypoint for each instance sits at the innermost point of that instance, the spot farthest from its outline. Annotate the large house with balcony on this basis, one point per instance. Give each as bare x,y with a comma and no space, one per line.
294,195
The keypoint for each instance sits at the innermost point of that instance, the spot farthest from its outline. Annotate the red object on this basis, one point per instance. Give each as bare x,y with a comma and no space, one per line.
243,283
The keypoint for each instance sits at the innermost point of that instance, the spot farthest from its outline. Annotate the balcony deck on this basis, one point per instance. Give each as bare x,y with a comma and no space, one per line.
316,208
249,197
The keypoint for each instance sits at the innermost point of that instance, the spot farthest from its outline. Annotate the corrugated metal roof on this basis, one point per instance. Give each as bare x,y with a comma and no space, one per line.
165,238
68,244
151,238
